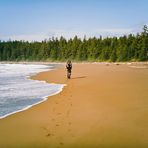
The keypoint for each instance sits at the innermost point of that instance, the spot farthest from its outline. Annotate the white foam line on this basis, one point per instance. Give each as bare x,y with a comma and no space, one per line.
29,106
44,98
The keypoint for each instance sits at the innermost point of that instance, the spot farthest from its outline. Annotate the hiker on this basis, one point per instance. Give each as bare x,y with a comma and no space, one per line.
69,68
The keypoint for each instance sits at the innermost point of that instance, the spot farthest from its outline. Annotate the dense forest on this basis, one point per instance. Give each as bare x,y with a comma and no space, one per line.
126,48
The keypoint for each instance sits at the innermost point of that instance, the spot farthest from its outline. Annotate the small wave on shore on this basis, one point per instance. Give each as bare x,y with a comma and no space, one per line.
18,93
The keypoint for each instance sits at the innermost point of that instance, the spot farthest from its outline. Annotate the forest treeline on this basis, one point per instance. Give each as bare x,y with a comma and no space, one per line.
126,48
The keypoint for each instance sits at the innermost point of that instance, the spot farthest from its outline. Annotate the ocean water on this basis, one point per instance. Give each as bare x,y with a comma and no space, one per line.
18,92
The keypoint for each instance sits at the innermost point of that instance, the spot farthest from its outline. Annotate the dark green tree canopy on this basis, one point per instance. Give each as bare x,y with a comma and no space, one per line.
125,48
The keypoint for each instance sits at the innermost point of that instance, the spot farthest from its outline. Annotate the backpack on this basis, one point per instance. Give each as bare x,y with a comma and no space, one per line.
69,66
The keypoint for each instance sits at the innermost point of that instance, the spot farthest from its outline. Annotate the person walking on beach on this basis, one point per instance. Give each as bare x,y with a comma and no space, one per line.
69,68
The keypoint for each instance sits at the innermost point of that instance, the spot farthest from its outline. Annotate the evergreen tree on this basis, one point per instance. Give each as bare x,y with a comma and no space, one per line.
125,48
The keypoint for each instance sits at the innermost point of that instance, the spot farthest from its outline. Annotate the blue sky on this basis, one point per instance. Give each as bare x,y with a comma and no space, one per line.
40,19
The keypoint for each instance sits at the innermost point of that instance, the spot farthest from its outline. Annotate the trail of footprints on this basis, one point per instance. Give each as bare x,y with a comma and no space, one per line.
57,125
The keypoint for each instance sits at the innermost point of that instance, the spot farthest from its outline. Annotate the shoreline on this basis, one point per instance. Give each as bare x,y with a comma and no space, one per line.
101,106
43,99
75,62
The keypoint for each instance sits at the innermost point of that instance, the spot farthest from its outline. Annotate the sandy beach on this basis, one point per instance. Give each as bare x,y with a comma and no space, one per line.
102,106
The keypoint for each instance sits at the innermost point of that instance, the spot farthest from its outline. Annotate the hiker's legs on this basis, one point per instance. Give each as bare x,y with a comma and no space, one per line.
68,74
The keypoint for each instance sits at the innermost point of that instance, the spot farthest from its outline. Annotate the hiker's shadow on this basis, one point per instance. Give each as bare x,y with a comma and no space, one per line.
78,77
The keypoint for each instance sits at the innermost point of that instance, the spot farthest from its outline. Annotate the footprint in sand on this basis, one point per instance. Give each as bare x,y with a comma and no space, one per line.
61,143
52,119
49,135
69,130
44,128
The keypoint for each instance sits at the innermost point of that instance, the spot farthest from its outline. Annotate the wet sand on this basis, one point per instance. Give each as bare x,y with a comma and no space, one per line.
103,105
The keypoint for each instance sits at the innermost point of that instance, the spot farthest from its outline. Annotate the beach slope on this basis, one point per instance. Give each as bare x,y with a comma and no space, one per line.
103,105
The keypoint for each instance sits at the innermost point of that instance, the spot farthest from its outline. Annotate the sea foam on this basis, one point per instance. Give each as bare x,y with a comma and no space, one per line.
18,93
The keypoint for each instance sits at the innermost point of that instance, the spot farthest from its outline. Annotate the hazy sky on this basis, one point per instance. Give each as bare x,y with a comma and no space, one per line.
40,19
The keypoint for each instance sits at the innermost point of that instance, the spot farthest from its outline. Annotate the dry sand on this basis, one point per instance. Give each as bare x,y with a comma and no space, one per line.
101,106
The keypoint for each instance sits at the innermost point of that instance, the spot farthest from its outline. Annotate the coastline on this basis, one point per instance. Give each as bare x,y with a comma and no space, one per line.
45,98
28,77
96,109
75,62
